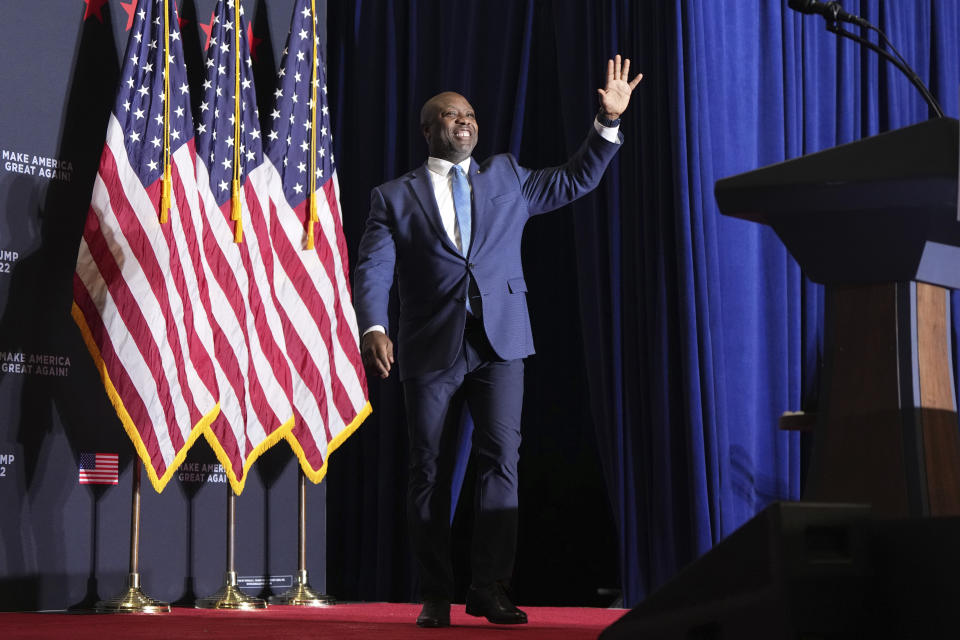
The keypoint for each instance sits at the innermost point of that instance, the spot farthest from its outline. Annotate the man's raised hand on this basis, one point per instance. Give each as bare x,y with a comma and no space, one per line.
615,97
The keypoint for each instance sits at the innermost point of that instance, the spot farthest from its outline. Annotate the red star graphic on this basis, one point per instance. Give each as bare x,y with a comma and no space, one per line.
253,40
131,9
181,22
208,29
93,9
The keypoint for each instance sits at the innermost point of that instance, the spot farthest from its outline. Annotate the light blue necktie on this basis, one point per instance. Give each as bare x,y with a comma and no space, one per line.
461,204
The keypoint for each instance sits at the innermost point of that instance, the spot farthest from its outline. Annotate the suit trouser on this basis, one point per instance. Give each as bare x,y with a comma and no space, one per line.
493,391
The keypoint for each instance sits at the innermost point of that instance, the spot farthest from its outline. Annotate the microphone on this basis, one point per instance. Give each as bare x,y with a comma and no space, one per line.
834,15
832,11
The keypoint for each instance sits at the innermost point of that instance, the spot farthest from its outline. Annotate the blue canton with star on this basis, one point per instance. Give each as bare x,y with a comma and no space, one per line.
140,100
288,141
215,134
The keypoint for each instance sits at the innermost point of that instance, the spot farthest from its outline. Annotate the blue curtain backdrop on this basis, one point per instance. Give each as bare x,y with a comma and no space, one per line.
669,337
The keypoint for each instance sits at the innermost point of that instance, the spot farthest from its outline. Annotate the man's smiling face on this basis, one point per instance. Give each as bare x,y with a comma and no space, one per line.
449,124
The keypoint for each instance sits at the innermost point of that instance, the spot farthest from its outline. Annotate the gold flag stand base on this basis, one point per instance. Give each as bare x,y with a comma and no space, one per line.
133,600
301,595
230,597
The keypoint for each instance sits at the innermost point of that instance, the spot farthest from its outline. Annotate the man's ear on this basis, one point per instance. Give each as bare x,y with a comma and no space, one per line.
425,130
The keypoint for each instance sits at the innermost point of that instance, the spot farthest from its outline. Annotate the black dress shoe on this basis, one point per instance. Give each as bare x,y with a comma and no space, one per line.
435,613
491,602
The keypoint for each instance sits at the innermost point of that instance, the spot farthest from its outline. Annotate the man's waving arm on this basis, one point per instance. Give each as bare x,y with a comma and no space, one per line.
549,189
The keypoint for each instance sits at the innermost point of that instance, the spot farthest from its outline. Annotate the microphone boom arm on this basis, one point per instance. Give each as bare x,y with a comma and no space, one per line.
834,26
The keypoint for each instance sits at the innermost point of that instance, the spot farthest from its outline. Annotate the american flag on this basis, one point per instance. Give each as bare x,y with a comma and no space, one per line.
98,468
253,368
320,328
139,275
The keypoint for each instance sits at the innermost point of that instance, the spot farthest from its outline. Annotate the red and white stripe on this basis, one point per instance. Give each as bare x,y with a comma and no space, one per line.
254,370
329,392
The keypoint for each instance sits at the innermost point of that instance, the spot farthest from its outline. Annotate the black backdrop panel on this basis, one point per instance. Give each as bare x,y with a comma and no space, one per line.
65,544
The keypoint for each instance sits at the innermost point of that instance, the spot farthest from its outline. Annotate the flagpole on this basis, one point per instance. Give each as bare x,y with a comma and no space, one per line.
301,594
133,600
229,595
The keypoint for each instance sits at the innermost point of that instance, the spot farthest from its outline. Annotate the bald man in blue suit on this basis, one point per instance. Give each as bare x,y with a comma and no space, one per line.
450,231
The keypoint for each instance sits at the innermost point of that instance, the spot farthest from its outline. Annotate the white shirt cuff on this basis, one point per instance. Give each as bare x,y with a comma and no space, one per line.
610,134
375,327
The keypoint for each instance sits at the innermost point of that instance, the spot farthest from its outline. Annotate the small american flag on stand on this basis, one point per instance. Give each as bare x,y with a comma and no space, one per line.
98,468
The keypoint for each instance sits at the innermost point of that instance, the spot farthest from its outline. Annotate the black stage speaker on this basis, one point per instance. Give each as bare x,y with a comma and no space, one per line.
811,571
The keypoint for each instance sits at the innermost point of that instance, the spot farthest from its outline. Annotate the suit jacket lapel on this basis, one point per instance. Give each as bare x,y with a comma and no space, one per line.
422,187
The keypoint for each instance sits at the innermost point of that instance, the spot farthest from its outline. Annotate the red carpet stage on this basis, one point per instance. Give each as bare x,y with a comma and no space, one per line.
343,622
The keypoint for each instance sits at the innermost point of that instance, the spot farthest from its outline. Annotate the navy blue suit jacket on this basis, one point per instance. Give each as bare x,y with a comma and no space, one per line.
404,234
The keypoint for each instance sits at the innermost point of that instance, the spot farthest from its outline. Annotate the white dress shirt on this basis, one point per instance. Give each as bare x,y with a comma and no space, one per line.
439,172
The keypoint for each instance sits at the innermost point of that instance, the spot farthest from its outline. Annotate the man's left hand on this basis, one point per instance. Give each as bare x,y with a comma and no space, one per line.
616,96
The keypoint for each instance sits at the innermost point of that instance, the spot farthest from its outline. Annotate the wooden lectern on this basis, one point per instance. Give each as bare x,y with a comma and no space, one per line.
876,221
